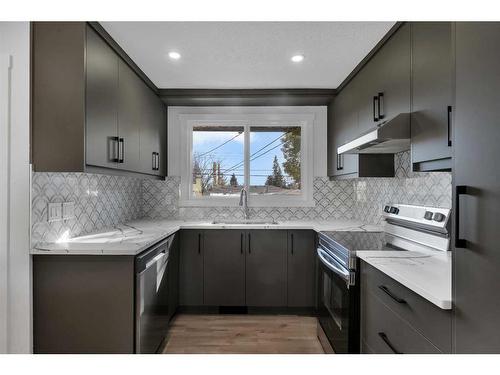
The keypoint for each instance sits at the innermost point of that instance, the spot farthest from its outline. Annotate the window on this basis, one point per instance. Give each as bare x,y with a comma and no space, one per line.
218,161
275,165
267,155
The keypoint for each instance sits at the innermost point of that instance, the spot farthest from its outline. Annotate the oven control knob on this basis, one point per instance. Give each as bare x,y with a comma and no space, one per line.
428,215
394,210
439,217
387,209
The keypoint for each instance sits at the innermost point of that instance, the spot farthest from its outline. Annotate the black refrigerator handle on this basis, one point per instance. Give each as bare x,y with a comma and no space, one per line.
449,125
459,190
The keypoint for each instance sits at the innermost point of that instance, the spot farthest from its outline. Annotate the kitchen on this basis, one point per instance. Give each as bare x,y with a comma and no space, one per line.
243,188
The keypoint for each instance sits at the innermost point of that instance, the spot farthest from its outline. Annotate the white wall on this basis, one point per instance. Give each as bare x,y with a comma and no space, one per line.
319,130
15,262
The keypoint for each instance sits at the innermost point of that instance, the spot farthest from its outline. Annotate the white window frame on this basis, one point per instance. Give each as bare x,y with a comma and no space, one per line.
306,121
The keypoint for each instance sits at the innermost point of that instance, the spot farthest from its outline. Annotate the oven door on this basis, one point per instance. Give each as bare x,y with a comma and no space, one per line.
337,304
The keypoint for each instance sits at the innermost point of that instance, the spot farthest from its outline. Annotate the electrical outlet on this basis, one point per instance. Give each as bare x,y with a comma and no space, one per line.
54,212
68,210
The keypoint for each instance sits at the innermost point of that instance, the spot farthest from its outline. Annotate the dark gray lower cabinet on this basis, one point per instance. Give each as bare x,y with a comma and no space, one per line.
104,304
476,254
173,269
266,268
394,319
224,268
255,268
383,331
191,268
83,304
301,273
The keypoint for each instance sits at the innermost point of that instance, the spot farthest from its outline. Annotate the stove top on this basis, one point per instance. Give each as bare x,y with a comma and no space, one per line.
342,245
357,240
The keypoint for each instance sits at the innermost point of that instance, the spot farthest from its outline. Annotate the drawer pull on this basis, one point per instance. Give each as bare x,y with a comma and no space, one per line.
389,293
384,337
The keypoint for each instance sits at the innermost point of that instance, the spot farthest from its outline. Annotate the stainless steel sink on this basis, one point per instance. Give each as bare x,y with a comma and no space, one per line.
245,222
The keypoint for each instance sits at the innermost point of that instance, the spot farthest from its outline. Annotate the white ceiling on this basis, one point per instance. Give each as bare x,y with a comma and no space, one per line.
241,55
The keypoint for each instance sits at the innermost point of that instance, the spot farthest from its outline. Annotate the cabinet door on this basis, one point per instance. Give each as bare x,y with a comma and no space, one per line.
266,268
343,127
173,264
431,91
191,268
130,120
101,102
148,132
393,66
153,134
224,268
476,156
161,139
387,73
368,86
301,270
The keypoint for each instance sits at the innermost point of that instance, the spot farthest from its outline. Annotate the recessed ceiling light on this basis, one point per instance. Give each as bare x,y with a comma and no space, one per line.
297,58
174,55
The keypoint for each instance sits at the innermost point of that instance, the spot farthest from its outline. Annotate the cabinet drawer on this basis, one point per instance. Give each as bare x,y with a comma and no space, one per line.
382,331
433,322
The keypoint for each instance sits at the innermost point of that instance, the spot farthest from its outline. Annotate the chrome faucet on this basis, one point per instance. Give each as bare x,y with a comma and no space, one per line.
244,203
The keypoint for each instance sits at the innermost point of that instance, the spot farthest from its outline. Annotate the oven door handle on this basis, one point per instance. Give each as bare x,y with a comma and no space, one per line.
334,266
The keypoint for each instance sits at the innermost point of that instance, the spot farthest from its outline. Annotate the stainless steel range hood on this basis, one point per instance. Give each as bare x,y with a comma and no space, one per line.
389,137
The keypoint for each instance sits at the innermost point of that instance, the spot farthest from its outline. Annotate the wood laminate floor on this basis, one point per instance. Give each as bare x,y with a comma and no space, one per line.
243,334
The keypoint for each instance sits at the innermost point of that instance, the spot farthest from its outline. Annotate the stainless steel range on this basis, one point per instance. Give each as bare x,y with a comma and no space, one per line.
415,229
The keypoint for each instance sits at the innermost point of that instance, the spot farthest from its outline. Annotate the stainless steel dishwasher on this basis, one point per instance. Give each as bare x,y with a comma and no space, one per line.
151,291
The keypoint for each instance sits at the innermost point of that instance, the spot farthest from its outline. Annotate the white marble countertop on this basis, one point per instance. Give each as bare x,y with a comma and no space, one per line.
136,236
426,273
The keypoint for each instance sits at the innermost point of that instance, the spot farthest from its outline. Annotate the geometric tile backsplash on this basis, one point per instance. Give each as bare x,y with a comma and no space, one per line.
419,188
102,201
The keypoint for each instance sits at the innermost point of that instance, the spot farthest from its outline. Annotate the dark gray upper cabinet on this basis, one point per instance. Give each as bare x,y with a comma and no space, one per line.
384,82
432,63
342,127
266,262
130,119
191,268
379,92
153,142
368,82
393,63
101,103
58,96
90,109
476,180
224,268
301,268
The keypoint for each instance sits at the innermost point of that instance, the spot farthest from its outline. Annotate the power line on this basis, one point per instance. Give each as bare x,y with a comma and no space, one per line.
219,146
260,149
